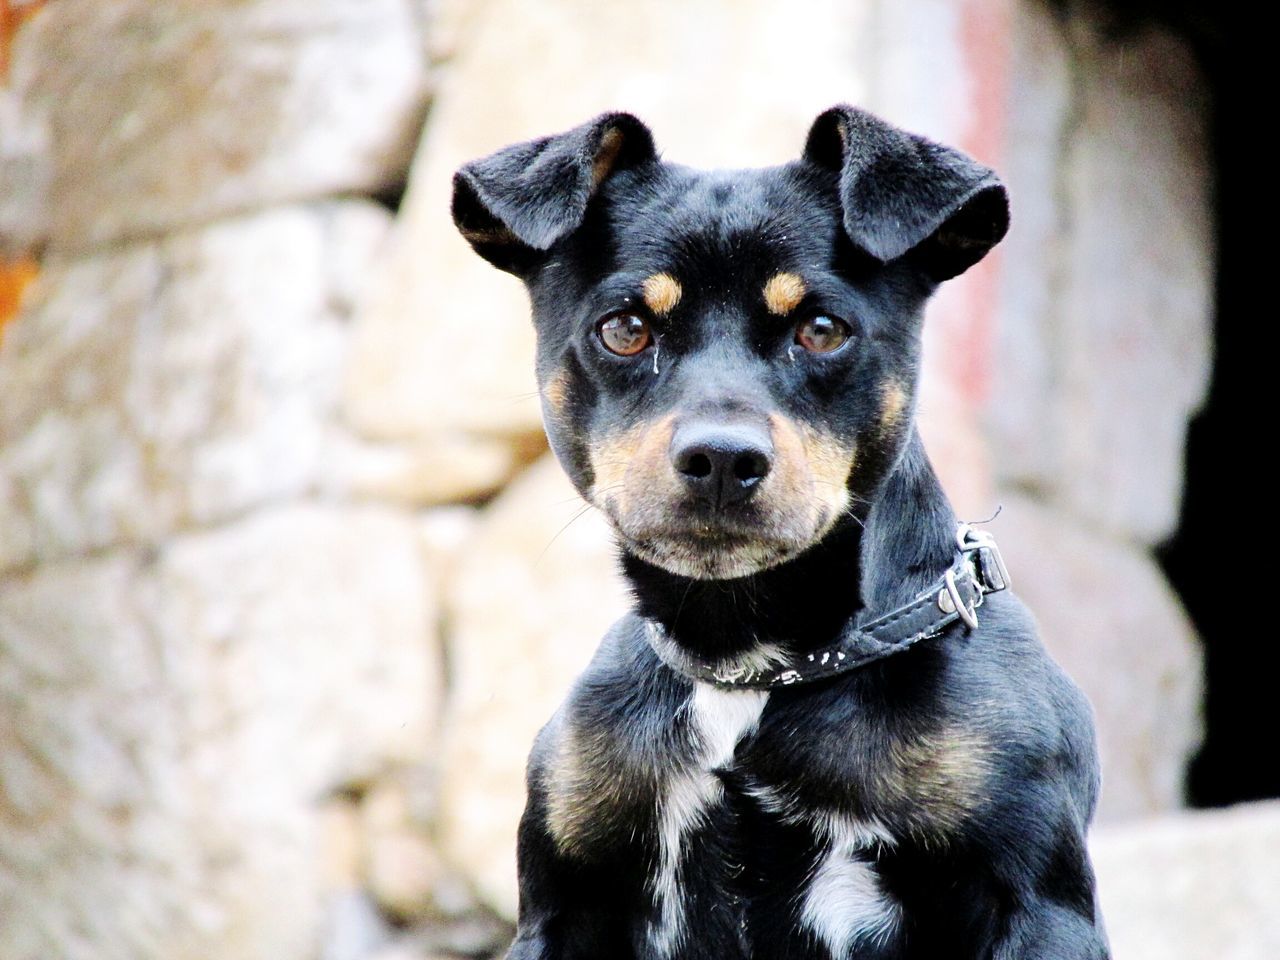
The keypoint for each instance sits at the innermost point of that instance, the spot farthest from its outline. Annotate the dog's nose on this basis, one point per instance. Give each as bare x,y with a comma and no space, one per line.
721,464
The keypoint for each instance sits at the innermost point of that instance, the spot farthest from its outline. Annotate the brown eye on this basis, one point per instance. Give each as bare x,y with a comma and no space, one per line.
624,334
822,334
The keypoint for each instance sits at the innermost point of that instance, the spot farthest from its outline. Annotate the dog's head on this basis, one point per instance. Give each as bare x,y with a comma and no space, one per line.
728,360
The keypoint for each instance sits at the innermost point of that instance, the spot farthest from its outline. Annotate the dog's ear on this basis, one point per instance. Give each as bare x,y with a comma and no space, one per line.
513,205
902,193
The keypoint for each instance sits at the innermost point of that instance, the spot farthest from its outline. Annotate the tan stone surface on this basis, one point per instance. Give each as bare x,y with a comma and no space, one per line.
446,533
177,383
341,844
1106,310
442,469
171,722
401,866
24,176
534,592
1111,620
1193,886
445,346
166,114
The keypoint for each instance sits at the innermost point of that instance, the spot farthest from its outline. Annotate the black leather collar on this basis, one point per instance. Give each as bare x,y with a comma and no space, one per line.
955,596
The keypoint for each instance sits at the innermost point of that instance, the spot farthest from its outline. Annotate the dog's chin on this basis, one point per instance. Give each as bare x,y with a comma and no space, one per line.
709,555
712,560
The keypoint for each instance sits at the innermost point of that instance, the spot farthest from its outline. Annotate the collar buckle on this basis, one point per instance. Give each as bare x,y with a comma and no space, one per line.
988,564
950,600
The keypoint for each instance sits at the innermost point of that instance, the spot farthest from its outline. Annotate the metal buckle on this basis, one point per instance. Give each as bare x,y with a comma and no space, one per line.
951,601
983,544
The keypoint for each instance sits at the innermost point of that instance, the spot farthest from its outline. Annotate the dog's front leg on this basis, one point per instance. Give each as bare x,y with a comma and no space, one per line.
578,900
568,910
1054,913
1044,930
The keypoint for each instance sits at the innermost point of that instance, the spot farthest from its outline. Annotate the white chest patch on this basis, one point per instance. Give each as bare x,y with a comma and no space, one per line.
845,904
717,720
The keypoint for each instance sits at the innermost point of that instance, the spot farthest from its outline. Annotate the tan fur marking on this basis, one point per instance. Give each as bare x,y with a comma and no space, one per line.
830,460
662,292
803,496
788,479
810,469
892,404
939,779
589,785
489,235
606,156
610,459
556,392
783,293
561,781
634,464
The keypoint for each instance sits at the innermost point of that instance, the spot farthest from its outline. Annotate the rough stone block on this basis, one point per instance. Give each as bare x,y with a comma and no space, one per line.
440,470
165,114
24,176
531,597
1106,309
1111,620
401,866
175,719
1193,885
176,383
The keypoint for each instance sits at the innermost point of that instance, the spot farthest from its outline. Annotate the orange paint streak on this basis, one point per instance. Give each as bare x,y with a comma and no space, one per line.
12,15
15,277
986,28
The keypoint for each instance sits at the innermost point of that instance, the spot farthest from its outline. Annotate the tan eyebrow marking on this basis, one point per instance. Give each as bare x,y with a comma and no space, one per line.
662,292
783,293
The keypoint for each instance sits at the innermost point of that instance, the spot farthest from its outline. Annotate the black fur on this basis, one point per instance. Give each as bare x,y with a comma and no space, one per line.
968,761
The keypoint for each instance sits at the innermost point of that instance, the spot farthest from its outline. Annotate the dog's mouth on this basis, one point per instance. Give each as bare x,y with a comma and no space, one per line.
718,548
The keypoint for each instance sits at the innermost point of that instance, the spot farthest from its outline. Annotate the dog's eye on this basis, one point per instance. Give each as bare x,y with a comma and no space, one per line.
624,334
822,334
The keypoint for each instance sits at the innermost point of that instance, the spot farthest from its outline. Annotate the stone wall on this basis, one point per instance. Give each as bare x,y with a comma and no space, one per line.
287,579
219,664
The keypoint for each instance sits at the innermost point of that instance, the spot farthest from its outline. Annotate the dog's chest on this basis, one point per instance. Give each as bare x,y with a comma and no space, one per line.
691,795
837,900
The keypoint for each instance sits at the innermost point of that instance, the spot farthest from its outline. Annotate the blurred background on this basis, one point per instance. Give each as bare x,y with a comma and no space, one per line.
287,578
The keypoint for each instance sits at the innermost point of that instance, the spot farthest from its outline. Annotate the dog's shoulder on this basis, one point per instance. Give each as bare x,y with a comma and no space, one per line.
1044,774
1043,722
598,763
935,742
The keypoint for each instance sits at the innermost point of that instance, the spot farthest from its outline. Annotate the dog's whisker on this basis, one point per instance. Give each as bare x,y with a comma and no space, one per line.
577,515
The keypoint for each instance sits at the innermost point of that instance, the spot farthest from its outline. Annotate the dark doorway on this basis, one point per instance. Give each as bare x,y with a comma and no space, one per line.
1215,561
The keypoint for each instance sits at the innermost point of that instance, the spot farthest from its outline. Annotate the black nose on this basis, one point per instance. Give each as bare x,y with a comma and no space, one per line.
721,463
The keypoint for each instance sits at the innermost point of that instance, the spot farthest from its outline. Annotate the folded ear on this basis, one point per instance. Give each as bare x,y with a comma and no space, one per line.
903,193
514,204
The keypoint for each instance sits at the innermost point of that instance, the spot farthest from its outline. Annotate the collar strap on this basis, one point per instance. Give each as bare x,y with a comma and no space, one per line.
955,596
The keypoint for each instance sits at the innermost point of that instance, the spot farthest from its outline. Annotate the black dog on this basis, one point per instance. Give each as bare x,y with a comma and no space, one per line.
800,743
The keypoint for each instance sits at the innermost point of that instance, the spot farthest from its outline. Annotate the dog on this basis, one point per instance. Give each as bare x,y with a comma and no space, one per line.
826,730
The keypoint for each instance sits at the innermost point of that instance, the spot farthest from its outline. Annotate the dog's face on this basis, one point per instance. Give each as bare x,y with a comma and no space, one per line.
727,360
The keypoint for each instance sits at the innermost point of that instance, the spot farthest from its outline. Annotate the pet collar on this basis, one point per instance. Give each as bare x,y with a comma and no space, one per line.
955,596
